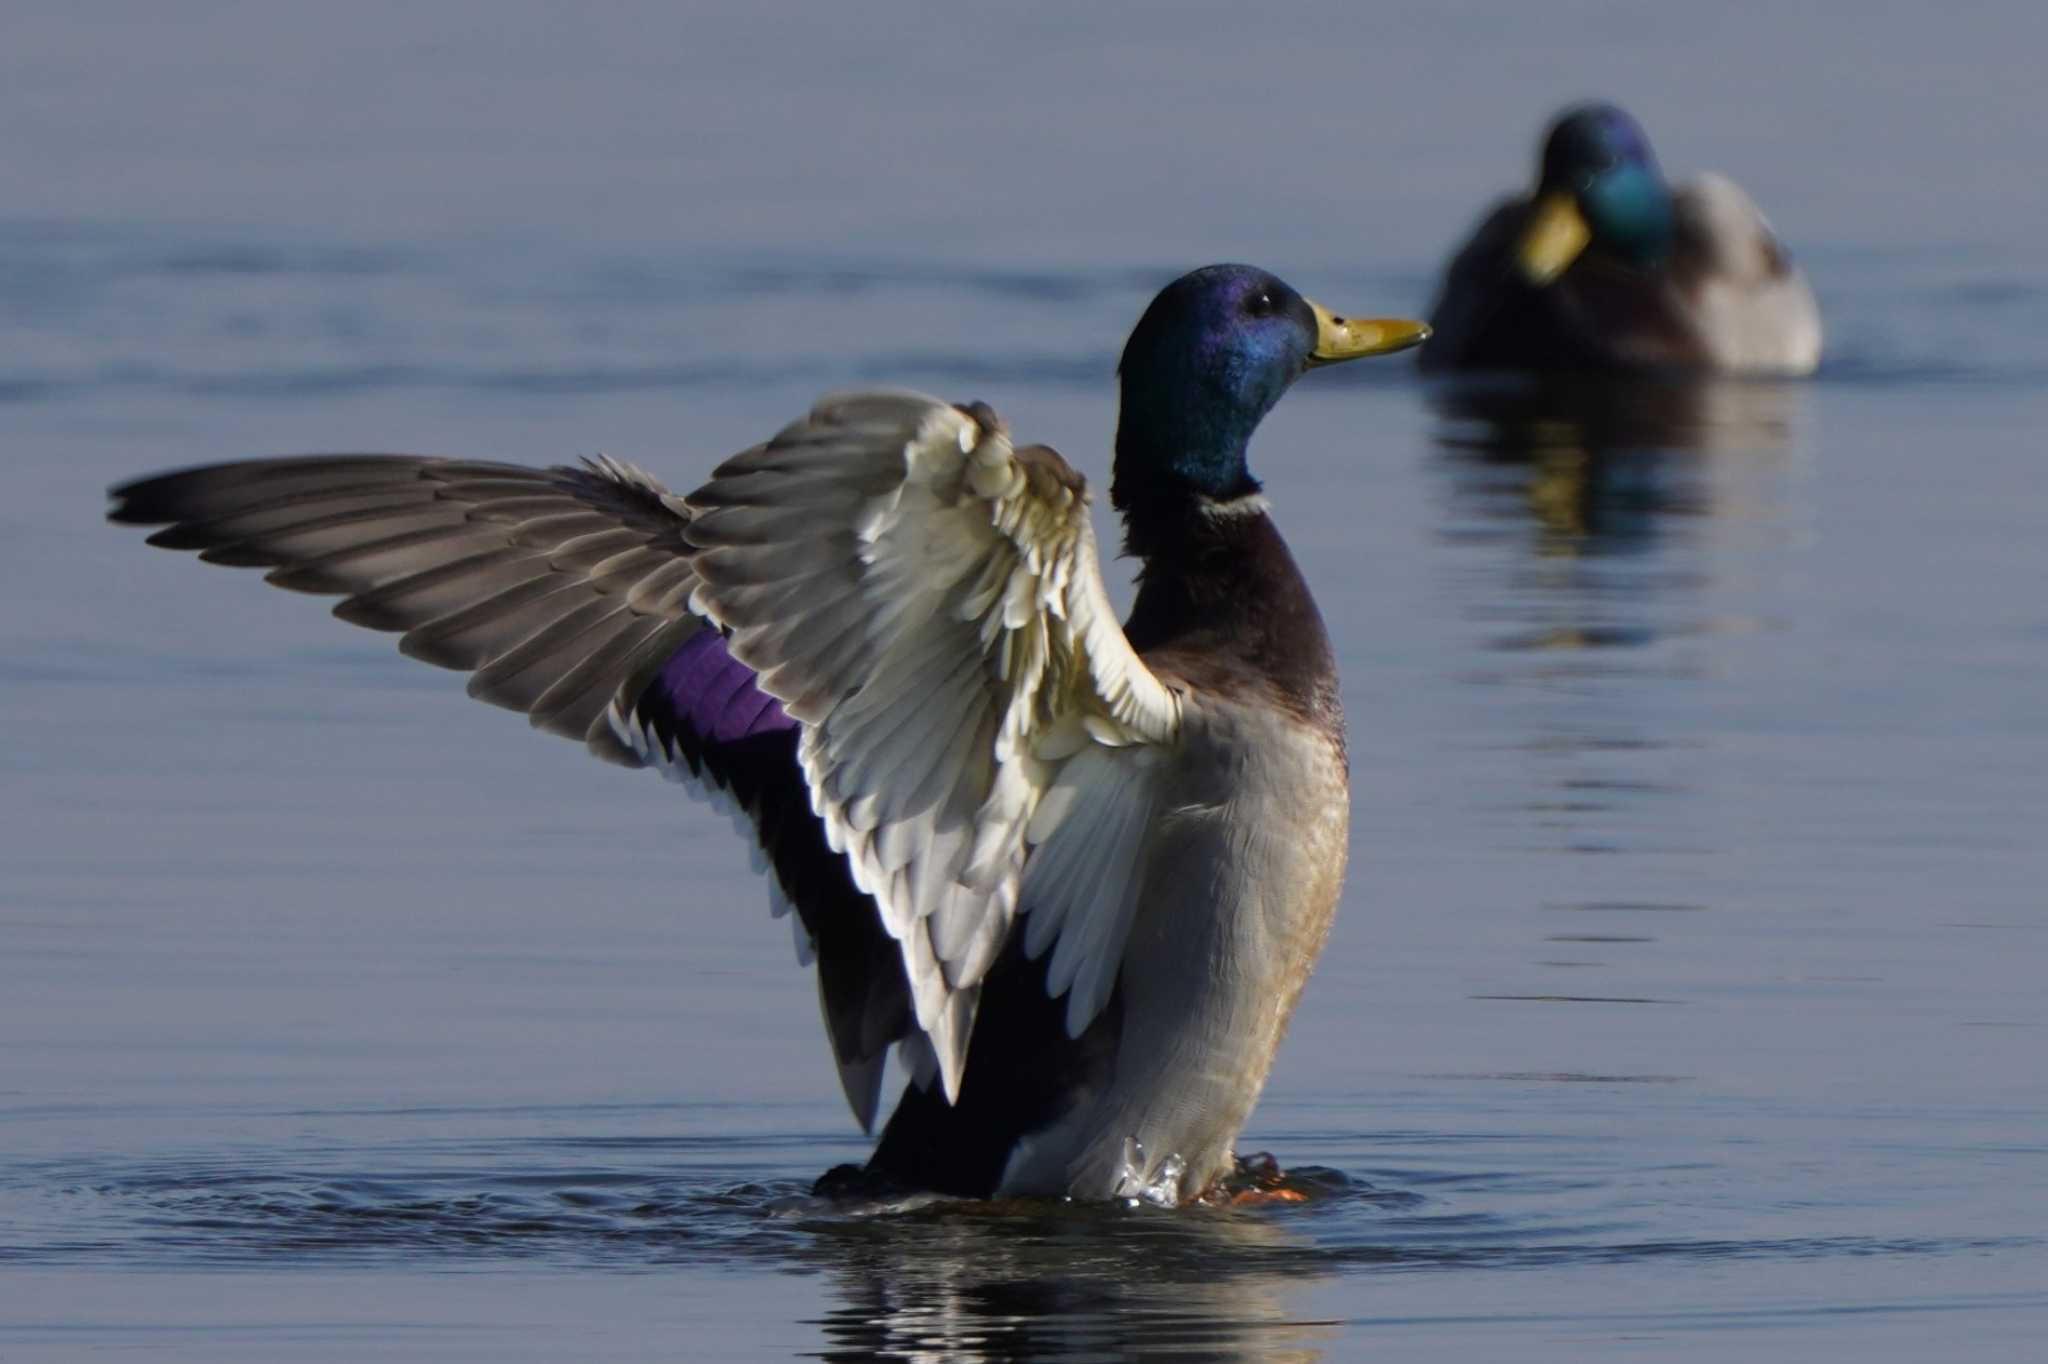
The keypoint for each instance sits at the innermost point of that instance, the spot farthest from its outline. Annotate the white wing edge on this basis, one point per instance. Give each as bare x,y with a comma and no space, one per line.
1089,839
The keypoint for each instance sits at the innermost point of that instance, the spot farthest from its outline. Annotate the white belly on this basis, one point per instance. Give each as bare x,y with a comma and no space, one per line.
1241,882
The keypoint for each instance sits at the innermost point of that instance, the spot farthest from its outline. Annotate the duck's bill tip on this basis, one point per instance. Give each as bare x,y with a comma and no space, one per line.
1353,338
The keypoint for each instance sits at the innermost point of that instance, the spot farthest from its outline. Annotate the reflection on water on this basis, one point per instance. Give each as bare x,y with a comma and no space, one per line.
1065,1282
1601,464
1606,540
1610,515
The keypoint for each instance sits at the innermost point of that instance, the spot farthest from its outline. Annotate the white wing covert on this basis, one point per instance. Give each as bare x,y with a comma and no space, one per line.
979,738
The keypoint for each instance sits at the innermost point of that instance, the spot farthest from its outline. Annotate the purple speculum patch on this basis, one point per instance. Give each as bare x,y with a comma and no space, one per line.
714,693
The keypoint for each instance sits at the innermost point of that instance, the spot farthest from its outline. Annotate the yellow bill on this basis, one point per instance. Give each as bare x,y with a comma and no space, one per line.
1353,338
1555,236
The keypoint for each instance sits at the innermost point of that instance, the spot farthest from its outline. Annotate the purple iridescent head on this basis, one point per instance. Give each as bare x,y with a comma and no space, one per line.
1207,361
1205,364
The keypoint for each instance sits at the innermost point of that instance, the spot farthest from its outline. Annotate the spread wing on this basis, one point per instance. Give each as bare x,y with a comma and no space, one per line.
947,728
559,588
565,591
977,734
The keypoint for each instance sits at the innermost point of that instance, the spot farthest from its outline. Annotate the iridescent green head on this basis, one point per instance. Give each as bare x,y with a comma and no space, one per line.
1599,190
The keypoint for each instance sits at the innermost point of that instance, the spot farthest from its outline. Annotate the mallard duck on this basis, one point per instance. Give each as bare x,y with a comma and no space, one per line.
1606,267
1076,874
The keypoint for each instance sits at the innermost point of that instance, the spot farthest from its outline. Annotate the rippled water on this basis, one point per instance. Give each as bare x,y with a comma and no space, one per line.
1685,1001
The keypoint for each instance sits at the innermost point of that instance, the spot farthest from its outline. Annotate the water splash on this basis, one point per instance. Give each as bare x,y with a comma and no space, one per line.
1161,1188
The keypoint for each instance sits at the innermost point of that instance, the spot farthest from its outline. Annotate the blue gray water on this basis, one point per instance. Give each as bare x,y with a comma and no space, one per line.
1686,1000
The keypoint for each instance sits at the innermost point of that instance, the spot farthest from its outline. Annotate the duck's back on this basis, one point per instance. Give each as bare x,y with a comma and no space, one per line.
1750,304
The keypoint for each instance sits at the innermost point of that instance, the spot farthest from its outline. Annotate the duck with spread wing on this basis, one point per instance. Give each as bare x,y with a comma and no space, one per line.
1075,874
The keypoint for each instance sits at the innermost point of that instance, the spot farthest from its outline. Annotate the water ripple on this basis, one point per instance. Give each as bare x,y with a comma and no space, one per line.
195,1211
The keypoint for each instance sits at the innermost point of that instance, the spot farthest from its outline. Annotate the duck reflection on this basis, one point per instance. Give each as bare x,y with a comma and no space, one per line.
1606,535
1604,464
1068,1282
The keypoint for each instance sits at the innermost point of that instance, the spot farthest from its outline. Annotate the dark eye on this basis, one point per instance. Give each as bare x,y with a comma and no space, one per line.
1260,304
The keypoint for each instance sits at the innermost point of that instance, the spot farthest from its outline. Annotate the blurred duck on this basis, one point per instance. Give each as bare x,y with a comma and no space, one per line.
1605,266
1076,874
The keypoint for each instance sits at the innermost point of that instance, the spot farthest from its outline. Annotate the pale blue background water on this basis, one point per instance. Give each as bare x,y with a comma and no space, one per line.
1686,1001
